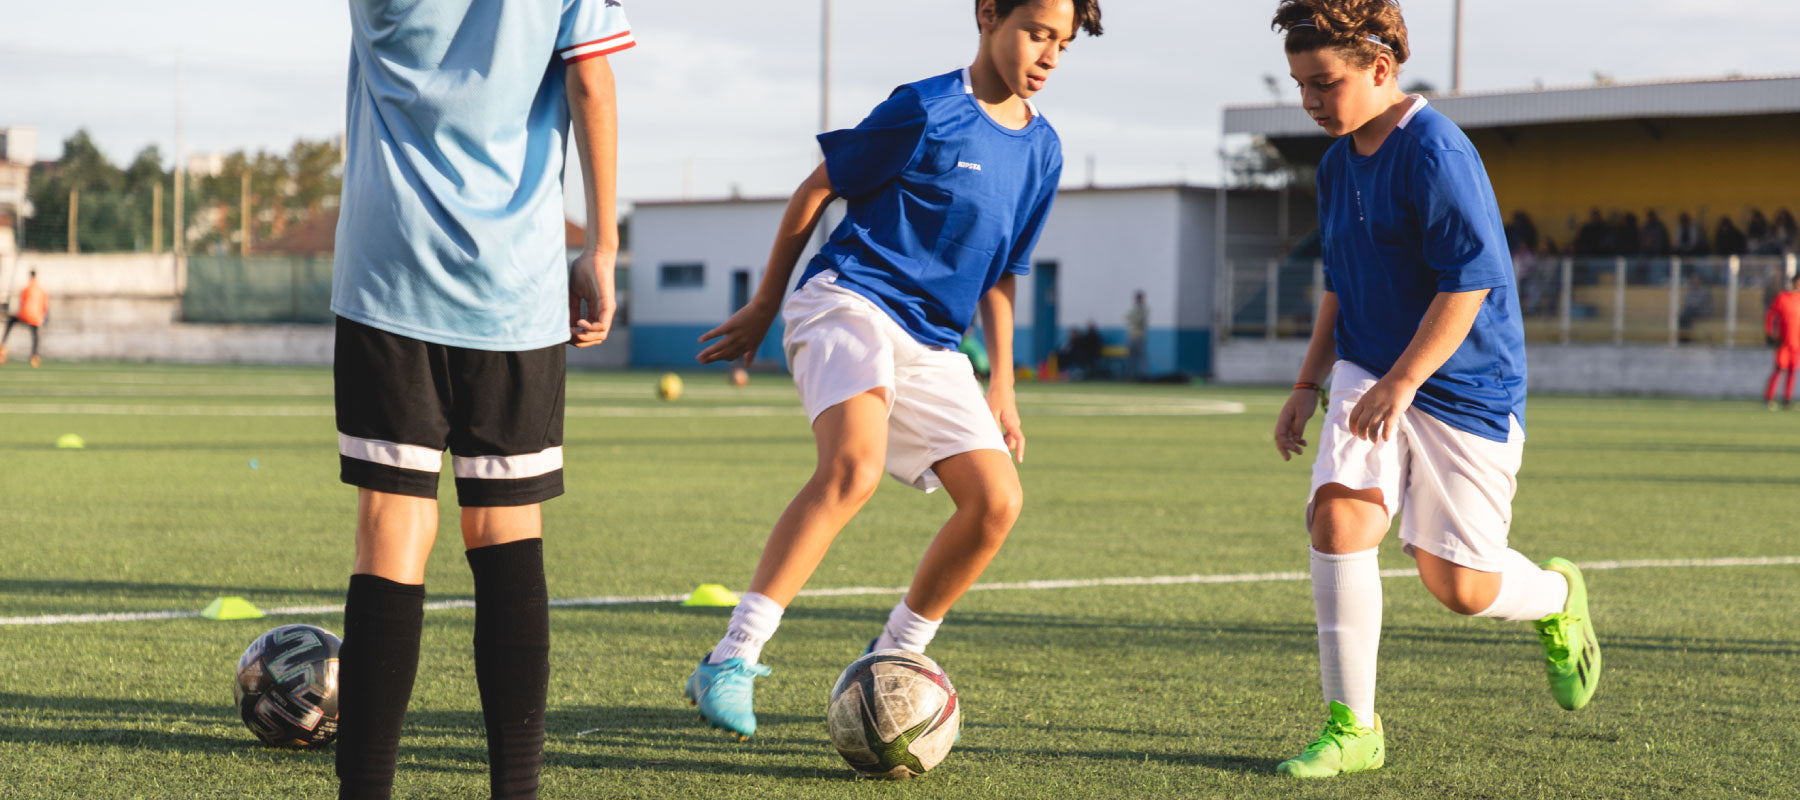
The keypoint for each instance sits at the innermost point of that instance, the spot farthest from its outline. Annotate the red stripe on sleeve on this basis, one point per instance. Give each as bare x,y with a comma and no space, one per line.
596,41
599,53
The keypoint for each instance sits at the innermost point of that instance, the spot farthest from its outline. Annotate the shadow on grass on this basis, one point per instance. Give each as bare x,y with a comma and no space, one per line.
1246,765
1747,480
258,594
1733,448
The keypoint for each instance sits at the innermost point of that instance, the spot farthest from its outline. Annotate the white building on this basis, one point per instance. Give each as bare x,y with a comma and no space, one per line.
698,261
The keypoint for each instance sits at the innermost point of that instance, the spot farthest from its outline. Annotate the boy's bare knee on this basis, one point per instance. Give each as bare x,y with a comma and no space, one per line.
851,478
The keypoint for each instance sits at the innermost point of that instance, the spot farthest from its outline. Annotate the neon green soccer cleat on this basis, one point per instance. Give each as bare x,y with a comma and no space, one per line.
1571,652
1342,747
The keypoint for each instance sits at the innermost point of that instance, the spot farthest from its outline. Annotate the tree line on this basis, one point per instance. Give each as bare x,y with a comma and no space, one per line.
116,206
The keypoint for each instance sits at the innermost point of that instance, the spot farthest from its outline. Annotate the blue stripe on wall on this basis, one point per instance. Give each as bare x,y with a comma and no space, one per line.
674,345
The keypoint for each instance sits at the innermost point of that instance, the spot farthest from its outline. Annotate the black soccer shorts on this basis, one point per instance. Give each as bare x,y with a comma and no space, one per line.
402,402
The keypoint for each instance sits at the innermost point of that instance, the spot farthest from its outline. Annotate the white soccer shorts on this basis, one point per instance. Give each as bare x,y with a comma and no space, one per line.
839,344
1452,490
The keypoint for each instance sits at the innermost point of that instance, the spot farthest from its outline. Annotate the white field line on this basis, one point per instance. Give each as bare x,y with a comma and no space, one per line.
857,591
1194,408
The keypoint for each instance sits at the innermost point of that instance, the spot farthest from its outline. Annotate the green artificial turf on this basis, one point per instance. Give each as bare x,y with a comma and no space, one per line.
197,482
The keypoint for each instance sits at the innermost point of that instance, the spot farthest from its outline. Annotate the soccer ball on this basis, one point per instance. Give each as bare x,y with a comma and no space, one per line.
287,686
893,714
669,387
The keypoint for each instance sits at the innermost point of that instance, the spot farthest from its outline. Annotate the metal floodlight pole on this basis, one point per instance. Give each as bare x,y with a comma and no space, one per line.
824,65
180,231
1456,54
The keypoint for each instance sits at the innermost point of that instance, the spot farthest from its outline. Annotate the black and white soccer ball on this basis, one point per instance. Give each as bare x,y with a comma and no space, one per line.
893,715
287,686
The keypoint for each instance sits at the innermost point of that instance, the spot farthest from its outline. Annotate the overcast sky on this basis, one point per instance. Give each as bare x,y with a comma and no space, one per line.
724,93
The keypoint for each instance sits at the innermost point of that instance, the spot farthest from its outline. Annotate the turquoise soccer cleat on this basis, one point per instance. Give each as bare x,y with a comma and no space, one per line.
723,692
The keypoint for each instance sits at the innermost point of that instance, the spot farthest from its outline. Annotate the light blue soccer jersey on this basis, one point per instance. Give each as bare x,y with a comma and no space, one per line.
451,225
942,201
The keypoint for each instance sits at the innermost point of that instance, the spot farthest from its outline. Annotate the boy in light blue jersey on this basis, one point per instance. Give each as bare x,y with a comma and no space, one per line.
948,183
454,300
1427,408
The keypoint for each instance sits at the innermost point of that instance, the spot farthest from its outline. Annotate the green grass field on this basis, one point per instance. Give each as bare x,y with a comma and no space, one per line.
1189,690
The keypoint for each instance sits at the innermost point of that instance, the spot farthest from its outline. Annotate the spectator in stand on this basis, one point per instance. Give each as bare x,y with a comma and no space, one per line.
1761,236
1785,233
1625,236
1728,240
1690,237
1521,232
1529,274
1696,304
1653,242
1595,238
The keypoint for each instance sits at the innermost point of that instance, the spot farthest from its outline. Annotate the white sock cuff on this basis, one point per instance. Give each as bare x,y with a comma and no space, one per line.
753,622
907,630
1339,558
1527,592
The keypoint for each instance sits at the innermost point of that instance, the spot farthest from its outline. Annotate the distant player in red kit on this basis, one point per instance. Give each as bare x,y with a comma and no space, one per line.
1782,325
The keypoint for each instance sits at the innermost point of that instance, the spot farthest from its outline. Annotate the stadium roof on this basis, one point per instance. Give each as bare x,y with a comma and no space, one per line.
1723,97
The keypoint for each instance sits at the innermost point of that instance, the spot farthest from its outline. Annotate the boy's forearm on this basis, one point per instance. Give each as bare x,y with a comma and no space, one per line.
997,325
594,111
1446,324
802,215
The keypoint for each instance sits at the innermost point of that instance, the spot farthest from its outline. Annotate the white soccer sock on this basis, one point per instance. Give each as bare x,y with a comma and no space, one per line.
1527,591
1347,599
906,630
752,623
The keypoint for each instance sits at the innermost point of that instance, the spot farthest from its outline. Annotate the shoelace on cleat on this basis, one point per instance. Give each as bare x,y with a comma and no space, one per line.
1332,736
1555,637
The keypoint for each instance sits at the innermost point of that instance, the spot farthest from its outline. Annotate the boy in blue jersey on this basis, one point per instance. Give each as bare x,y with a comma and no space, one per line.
454,300
1419,329
948,183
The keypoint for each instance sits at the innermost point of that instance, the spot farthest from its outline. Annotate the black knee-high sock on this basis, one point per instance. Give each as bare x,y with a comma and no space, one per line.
512,661
376,667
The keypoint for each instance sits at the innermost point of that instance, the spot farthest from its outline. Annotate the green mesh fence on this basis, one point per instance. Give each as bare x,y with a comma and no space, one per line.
258,289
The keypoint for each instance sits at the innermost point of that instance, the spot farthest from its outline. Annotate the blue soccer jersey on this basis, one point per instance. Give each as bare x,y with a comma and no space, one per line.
451,225
942,201
1416,218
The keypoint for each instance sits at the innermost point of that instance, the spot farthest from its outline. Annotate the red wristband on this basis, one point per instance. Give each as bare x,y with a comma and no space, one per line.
1304,385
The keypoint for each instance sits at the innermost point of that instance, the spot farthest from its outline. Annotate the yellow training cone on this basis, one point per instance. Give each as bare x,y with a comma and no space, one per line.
711,595
231,608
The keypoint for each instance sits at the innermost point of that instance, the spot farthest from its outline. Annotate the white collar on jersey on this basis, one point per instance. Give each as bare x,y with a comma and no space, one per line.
969,88
1418,104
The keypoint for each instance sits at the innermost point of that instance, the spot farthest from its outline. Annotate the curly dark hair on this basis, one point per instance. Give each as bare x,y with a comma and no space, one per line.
1344,25
1087,12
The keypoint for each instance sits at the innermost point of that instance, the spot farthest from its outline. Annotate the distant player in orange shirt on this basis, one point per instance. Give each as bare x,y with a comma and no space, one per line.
34,306
1782,326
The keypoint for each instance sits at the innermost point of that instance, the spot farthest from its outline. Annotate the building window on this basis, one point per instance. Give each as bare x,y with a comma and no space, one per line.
682,276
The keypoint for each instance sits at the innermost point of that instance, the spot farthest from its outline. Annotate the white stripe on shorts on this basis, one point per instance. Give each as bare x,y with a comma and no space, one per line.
392,454
529,465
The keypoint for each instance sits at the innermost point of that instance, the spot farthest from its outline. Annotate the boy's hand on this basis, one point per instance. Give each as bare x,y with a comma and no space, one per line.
1005,406
591,282
1378,412
1290,427
739,336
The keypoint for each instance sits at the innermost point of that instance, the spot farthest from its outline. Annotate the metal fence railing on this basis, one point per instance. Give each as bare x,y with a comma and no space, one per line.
257,289
1715,301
